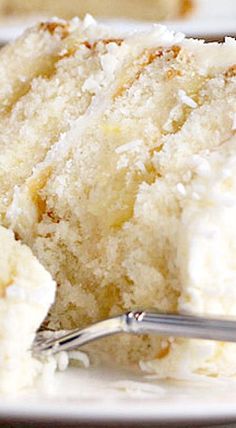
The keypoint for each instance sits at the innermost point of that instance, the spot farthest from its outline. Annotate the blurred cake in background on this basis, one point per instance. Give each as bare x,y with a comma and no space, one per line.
153,10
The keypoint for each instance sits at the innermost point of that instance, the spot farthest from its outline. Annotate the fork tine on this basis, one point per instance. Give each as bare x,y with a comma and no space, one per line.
79,337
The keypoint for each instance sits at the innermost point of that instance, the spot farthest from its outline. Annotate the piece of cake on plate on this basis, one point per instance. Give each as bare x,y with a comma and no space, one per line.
126,190
26,294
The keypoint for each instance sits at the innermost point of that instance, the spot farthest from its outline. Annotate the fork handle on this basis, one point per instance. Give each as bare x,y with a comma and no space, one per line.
189,326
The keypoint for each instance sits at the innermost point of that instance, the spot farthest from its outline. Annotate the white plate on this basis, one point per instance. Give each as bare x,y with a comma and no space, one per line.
108,395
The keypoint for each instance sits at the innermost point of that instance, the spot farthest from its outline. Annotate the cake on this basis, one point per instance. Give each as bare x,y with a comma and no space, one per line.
135,9
118,171
26,293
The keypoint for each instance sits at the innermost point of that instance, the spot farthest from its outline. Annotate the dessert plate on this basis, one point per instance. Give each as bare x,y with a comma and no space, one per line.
89,395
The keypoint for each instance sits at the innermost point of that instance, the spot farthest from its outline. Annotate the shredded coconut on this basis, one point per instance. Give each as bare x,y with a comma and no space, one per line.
62,360
129,147
136,389
79,356
89,21
123,162
181,189
185,99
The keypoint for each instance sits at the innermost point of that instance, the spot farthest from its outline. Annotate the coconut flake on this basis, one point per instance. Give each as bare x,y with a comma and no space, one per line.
123,162
138,388
109,63
89,21
62,361
79,356
129,147
181,189
185,99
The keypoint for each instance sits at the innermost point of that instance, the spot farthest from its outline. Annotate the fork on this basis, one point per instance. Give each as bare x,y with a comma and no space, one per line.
142,322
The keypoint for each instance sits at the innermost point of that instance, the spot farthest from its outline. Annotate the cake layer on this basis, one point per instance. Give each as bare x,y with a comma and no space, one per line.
40,101
106,212
136,9
26,294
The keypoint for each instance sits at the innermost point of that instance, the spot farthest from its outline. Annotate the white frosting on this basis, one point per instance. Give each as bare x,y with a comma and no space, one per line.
22,310
206,249
207,243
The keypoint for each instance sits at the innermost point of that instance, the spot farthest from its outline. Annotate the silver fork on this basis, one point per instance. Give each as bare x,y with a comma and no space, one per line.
142,322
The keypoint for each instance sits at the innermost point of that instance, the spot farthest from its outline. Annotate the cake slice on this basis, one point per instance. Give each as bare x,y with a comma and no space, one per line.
136,9
116,209
26,294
